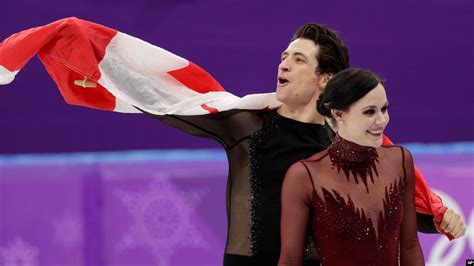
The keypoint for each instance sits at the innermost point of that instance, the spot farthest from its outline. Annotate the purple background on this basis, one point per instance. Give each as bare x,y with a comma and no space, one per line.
125,210
423,48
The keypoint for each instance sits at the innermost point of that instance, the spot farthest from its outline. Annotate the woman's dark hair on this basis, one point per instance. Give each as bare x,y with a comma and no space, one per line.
345,88
333,55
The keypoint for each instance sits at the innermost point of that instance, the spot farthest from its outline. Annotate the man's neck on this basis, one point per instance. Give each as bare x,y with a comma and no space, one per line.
305,114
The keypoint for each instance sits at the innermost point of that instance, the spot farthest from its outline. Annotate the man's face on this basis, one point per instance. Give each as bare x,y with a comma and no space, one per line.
366,119
297,82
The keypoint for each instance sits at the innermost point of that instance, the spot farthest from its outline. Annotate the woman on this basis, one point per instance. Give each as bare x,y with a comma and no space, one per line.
356,197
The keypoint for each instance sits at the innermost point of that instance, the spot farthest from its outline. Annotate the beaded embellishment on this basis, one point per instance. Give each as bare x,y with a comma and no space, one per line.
351,158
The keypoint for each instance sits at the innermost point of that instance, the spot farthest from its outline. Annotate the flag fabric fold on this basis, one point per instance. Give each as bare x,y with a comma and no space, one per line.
98,67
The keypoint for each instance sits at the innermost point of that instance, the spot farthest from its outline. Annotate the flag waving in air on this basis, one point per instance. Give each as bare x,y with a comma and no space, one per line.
102,68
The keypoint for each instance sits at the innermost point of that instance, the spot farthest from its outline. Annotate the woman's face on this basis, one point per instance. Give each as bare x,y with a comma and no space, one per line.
365,120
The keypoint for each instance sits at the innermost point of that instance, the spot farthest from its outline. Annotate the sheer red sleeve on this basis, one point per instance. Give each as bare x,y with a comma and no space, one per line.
410,250
297,191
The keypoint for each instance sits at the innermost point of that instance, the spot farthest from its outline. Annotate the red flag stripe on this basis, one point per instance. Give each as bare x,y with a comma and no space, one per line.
196,79
209,109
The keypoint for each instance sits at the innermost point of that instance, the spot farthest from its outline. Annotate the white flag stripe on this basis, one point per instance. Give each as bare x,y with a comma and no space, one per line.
136,72
6,76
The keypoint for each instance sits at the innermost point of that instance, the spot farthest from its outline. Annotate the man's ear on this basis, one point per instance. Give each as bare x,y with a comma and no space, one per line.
324,79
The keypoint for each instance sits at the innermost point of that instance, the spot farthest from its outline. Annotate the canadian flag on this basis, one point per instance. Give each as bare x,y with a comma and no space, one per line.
99,67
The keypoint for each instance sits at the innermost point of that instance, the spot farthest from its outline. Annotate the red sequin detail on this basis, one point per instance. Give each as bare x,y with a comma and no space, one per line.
350,225
360,161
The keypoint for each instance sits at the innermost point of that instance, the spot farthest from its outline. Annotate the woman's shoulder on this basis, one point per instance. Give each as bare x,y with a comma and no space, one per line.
317,157
394,150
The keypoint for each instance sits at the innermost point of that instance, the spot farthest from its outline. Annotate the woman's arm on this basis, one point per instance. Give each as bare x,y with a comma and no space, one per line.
410,249
296,206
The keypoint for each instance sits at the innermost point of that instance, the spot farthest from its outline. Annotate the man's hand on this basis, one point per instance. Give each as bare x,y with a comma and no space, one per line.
453,224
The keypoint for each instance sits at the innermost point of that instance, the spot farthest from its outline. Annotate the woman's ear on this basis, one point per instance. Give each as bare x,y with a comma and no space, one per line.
337,114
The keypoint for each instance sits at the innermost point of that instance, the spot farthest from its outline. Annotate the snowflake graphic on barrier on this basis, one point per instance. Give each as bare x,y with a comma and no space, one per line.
19,253
163,219
68,230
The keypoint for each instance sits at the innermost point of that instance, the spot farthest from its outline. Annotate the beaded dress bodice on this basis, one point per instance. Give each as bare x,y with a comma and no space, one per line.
361,207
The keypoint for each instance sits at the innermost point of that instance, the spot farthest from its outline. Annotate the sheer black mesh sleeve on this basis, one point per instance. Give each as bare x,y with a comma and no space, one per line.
228,127
425,223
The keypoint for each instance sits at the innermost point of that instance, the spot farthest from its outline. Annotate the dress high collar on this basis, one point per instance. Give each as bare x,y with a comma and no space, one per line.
355,159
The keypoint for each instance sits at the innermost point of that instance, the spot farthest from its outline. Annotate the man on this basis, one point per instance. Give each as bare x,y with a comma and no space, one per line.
260,144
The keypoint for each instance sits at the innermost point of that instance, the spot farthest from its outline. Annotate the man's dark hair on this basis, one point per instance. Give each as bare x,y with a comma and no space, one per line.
333,55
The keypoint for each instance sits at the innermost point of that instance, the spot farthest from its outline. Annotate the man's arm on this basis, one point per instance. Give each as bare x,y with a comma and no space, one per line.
425,224
228,127
451,223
